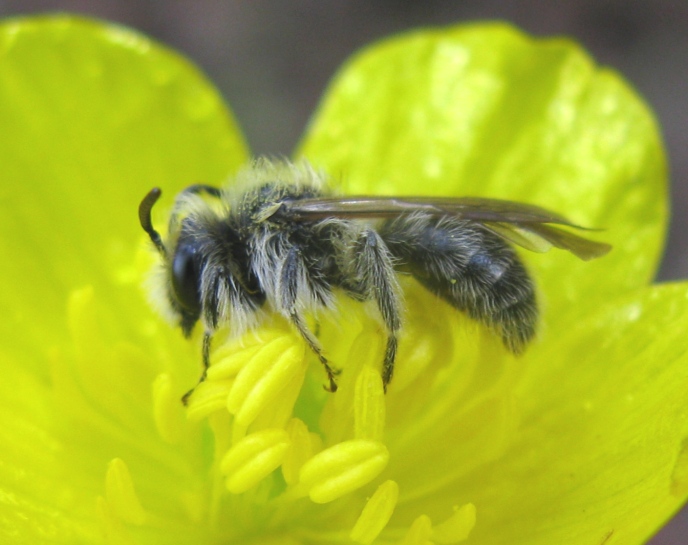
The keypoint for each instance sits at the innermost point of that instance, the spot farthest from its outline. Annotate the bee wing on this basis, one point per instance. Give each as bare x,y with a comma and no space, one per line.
520,237
526,225
471,208
579,246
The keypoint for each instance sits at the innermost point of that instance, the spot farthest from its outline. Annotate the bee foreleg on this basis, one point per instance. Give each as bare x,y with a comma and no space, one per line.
207,338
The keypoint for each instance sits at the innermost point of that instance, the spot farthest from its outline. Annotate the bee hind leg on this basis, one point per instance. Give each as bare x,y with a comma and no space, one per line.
375,270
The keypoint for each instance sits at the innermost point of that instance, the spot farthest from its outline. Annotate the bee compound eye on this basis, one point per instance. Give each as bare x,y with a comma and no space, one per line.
185,278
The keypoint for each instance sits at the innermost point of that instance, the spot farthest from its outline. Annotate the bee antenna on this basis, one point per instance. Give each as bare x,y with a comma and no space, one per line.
145,218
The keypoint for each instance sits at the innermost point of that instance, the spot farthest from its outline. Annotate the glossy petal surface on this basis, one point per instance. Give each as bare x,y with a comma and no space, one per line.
93,116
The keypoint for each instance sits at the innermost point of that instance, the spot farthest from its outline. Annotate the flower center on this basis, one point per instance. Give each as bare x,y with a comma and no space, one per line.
285,445
267,452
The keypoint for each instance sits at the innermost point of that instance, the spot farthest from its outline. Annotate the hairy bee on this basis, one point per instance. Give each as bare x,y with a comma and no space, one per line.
279,238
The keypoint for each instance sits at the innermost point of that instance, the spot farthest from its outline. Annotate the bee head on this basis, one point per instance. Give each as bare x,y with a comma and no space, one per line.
183,264
185,268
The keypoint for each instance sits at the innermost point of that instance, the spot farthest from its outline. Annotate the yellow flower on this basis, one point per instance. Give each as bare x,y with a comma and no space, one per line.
584,439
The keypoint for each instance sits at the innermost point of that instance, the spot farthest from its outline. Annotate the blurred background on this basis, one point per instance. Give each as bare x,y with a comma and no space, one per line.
273,59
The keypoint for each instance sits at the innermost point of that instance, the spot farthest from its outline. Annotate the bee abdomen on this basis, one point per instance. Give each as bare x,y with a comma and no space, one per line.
469,267
505,302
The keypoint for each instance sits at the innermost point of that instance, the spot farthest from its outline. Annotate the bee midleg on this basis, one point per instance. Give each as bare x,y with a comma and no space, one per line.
472,269
293,279
375,272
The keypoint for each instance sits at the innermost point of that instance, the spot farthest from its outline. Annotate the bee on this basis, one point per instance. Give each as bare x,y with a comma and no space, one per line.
279,239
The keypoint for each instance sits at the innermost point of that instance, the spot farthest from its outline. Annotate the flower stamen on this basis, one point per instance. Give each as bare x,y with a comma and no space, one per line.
369,405
303,446
342,468
376,513
208,397
419,532
254,400
263,378
121,495
253,458
166,414
457,527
